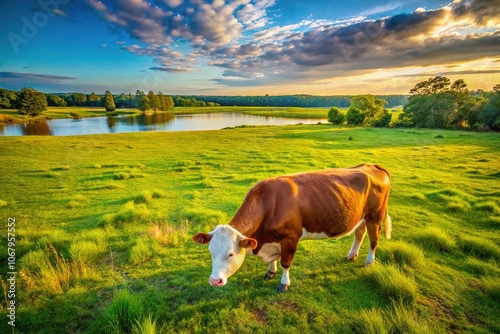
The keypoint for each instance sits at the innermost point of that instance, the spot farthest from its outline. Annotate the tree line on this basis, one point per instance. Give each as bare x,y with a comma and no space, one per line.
302,100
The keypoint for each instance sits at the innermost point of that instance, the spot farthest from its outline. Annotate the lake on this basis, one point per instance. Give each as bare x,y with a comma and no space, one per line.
140,123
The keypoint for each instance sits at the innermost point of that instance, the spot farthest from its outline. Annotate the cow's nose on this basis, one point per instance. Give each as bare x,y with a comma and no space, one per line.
216,282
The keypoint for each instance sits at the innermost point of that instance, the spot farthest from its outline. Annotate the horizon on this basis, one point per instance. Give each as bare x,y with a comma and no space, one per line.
247,47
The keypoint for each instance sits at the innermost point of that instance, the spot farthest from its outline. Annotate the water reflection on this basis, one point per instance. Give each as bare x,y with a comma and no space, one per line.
141,123
36,128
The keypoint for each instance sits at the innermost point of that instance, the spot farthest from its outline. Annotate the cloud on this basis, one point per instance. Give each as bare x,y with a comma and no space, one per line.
168,69
239,38
8,76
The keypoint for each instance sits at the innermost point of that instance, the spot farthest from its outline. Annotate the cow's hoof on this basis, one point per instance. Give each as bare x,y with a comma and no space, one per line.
351,258
282,288
269,275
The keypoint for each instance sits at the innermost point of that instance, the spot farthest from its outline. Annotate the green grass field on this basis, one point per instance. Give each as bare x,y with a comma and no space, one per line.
104,225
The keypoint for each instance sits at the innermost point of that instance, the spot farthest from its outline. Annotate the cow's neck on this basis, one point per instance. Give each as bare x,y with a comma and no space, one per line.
248,218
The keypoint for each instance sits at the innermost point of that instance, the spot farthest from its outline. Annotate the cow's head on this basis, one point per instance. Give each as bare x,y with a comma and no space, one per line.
227,247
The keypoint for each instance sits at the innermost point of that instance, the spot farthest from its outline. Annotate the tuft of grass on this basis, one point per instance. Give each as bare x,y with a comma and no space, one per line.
145,326
87,252
145,197
2,203
204,216
47,271
370,321
402,254
479,267
123,313
63,167
167,234
140,252
113,186
433,238
407,321
51,175
489,206
77,201
391,284
129,213
158,193
97,166
491,287
479,247
121,176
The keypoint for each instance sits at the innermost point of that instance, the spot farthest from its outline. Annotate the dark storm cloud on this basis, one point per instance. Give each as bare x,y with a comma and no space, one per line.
481,11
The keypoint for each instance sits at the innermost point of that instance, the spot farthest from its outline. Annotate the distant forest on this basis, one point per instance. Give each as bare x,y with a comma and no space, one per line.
306,101
8,99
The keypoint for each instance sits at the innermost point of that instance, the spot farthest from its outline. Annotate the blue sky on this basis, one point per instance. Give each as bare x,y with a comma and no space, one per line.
247,46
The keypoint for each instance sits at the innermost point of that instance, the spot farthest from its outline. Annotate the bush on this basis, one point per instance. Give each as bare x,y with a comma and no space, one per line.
355,116
335,116
383,119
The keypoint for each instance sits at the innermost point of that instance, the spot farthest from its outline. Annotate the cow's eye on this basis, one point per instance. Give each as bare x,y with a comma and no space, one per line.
230,255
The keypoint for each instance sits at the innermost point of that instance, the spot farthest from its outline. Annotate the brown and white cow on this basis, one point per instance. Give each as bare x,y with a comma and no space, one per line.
279,212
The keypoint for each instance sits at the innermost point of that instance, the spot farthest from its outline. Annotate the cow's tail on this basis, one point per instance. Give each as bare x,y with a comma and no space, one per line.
388,225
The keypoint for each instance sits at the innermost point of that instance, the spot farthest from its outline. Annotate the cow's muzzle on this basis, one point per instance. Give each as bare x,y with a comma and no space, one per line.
216,281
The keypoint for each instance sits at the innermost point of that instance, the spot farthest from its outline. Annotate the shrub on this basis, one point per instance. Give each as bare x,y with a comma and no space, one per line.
435,239
402,254
123,313
355,116
392,284
335,116
383,120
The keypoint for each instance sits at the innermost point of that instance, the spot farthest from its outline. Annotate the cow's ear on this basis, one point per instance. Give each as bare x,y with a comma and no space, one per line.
202,238
248,242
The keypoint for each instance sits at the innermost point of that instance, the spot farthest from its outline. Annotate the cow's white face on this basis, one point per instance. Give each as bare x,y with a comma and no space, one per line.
227,247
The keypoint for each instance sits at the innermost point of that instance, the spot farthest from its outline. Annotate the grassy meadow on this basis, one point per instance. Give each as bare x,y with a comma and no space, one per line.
104,225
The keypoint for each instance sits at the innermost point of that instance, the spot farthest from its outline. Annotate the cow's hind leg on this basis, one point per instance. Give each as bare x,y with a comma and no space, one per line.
272,269
359,235
373,226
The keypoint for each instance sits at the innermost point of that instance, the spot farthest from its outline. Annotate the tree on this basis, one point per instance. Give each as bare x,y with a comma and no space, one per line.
354,116
490,114
141,101
109,101
335,116
163,101
79,98
8,99
154,102
369,105
434,85
55,100
32,102
170,102
94,99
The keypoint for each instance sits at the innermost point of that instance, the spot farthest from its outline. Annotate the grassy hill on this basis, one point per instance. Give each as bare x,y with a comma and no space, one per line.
103,227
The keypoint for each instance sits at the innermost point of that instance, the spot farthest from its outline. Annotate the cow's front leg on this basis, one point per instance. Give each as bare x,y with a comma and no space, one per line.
288,248
271,270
